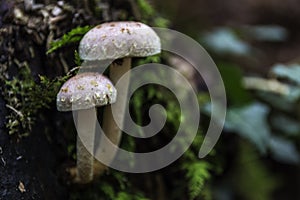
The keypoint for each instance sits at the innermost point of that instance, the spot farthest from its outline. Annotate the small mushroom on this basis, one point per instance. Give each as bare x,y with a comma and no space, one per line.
83,93
118,41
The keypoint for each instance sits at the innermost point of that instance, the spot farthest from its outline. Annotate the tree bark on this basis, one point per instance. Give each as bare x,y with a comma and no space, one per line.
33,167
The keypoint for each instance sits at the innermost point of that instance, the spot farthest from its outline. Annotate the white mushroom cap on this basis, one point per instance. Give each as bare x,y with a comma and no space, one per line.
118,40
85,90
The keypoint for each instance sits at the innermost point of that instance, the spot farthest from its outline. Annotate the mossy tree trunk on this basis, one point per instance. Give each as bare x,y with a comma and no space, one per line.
32,165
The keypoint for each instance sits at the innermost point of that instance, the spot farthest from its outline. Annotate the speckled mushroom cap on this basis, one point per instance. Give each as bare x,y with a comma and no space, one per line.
85,90
117,40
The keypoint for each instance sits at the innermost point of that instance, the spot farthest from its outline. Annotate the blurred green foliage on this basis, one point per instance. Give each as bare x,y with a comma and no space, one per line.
225,41
148,13
266,122
251,177
233,80
113,186
290,72
251,123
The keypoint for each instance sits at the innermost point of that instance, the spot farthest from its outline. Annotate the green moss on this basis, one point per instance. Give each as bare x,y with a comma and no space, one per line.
25,98
73,36
77,59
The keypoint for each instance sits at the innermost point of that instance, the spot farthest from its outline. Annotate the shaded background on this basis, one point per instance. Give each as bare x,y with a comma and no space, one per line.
256,35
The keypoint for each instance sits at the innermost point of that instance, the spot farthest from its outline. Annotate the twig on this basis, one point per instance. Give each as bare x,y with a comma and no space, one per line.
63,62
15,110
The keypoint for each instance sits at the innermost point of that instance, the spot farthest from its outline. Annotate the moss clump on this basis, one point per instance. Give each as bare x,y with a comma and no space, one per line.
73,36
25,97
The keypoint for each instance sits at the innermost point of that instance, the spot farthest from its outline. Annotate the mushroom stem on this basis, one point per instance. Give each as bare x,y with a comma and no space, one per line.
86,123
110,128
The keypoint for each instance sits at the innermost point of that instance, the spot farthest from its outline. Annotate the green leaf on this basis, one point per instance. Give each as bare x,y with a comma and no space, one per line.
268,33
282,102
251,123
225,41
286,124
232,78
290,72
284,150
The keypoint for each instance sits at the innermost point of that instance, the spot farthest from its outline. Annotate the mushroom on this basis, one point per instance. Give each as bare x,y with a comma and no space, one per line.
82,93
118,41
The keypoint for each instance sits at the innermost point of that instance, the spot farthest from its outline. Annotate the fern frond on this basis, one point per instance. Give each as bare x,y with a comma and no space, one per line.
196,175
